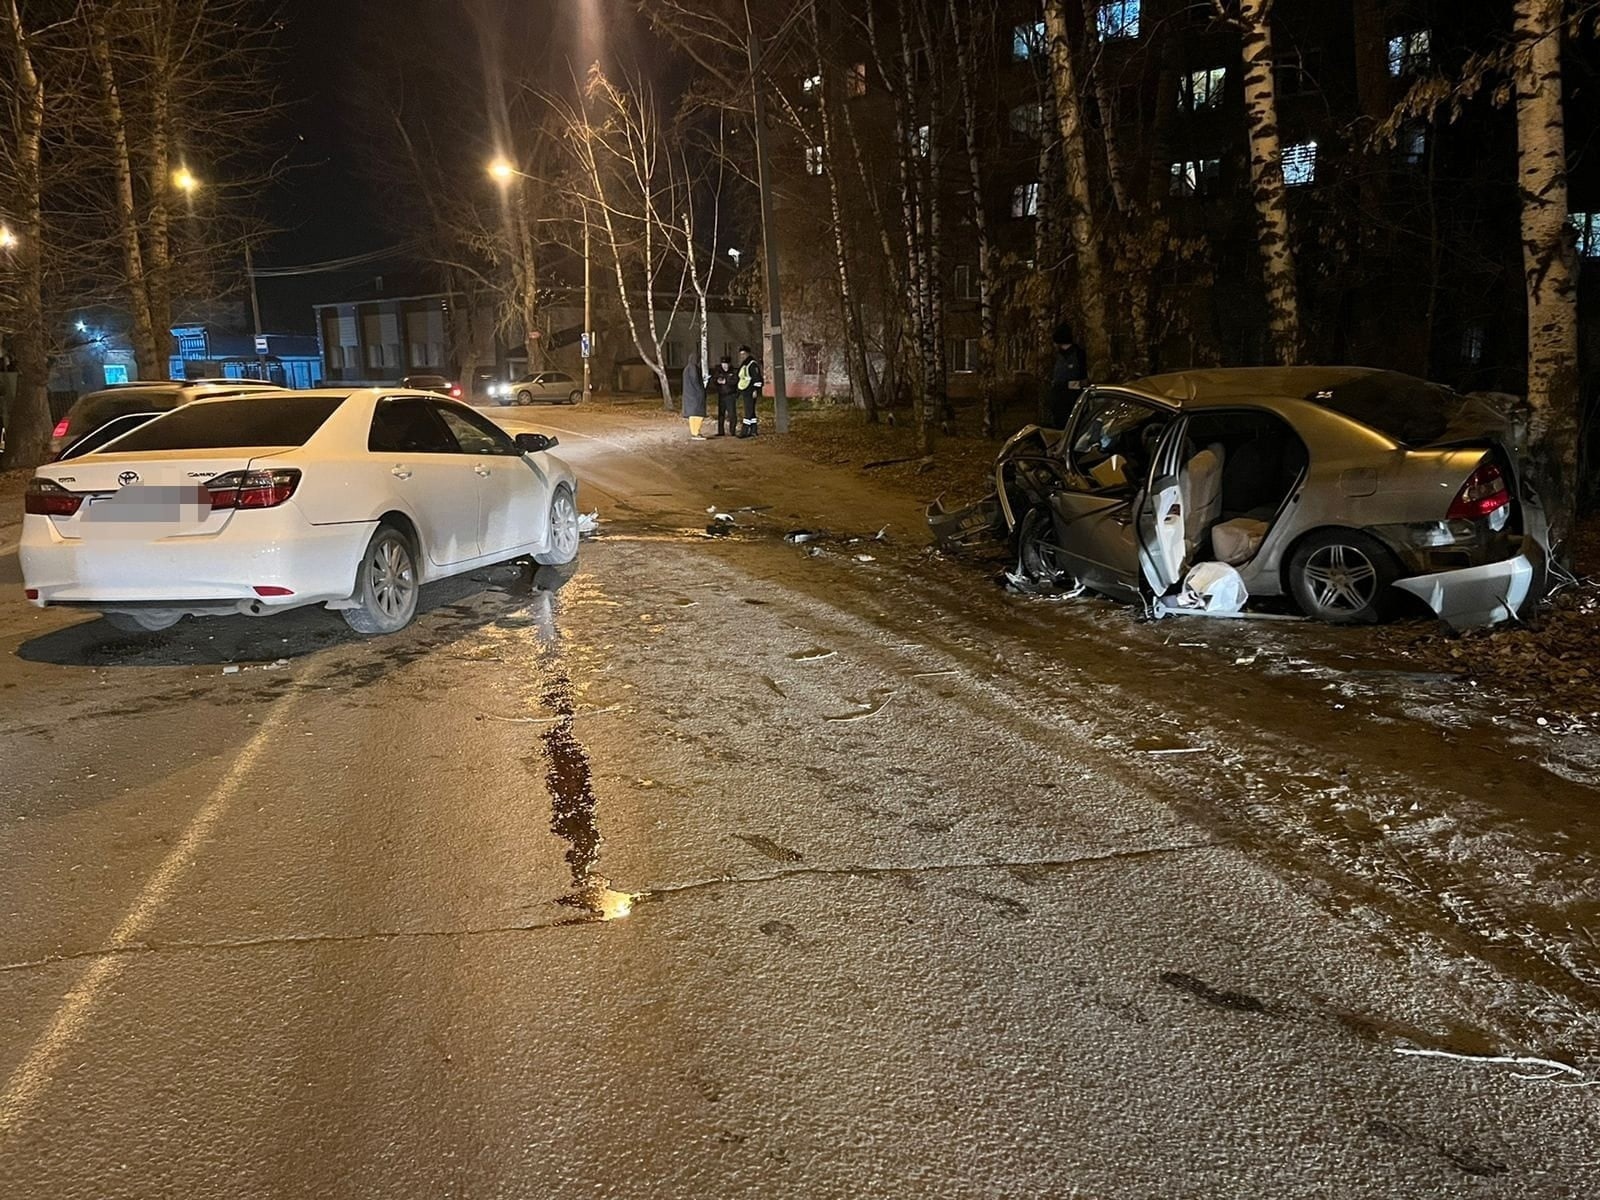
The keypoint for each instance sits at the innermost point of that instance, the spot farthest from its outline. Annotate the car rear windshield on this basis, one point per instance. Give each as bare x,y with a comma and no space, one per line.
1410,411
95,410
258,420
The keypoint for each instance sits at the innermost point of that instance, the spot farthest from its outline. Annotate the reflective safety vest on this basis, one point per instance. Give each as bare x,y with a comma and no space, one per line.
744,376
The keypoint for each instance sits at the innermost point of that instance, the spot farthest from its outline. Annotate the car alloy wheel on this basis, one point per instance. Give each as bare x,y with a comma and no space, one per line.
524,398
1341,580
563,528
574,397
387,589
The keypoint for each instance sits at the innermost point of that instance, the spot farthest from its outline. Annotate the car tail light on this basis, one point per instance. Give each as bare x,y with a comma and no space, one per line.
31,593
252,489
61,427
1485,492
455,390
47,498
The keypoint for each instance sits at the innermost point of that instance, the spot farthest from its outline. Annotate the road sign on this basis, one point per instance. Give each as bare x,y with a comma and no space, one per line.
585,344
261,343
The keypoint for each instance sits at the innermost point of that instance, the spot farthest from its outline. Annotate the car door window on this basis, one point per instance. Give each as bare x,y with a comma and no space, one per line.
408,425
1113,441
475,434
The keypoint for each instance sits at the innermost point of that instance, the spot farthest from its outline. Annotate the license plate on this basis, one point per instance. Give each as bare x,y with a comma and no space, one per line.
150,504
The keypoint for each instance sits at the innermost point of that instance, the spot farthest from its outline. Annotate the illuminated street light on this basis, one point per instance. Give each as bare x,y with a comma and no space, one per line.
7,238
502,171
184,180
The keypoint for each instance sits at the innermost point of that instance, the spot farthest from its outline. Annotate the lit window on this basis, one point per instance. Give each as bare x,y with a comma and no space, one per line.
1203,89
1118,19
115,373
1025,200
1413,143
814,164
1472,339
1588,228
811,85
1027,41
1028,120
963,355
1300,164
855,83
1196,177
1408,52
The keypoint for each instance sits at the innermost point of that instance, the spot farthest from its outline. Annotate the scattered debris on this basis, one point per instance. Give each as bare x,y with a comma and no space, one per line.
768,848
773,684
1550,1068
718,530
1179,750
589,524
799,537
869,711
815,654
865,558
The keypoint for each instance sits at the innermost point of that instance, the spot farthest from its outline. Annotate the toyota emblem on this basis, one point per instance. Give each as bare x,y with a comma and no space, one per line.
128,477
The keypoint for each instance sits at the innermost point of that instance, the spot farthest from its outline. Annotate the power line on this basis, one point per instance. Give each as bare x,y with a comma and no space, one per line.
332,264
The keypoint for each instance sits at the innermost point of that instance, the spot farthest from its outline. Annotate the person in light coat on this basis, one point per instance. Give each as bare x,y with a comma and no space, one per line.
694,396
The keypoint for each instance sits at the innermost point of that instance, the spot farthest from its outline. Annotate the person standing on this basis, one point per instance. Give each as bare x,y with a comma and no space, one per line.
724,379
1068,375
750,382
694,396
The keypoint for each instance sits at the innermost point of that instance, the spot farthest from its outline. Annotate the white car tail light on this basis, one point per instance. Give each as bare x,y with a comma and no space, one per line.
252,489
47,498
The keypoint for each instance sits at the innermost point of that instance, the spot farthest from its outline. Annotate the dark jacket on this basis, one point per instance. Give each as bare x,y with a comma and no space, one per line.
1067,377
726,381
694,390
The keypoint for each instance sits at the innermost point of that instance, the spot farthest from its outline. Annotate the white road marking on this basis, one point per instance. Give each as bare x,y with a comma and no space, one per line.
34,1073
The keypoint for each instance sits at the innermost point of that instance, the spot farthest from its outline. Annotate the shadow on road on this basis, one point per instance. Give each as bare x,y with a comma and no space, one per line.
446,606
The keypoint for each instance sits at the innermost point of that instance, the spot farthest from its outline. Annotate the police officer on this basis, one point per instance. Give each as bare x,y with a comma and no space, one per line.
749,381
726,382
1068,374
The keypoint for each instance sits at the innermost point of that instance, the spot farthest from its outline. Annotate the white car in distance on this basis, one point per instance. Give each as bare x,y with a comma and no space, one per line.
259,504
547,387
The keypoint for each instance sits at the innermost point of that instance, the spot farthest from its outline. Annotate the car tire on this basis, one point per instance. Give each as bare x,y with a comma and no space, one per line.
524,398
387,586
153,621
1036,551
563,529
574,397
1342,576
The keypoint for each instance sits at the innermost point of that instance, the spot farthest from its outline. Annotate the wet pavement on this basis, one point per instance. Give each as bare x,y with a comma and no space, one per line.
749,868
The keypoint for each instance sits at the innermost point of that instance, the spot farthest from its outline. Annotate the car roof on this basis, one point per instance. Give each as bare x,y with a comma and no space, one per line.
1218,387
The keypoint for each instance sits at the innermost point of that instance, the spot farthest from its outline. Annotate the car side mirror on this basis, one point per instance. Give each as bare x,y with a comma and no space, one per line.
535,443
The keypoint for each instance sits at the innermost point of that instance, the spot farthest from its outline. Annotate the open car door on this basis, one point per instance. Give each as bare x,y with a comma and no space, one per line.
1162,515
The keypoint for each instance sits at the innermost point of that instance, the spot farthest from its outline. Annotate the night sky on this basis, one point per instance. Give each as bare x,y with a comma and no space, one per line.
326,205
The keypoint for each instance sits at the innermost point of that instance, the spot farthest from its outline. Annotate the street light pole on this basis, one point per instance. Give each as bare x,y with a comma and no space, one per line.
769,237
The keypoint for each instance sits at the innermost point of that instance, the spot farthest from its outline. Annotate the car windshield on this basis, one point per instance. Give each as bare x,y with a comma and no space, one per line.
1411,411
287,420
1113,438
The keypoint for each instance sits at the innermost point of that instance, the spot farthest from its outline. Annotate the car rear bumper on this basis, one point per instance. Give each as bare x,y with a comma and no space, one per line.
276,551
1475,596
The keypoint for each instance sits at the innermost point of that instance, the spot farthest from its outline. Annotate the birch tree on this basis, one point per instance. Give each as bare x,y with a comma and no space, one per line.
1253,19
1082,227
27,424
1549,268
965,35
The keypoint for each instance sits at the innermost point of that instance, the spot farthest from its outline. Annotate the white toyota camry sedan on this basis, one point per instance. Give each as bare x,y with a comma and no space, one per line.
349,499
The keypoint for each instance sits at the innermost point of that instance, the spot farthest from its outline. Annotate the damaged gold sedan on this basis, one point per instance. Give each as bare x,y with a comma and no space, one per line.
1337,487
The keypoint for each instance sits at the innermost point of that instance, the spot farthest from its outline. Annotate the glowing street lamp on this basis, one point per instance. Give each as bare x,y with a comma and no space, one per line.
184,180
7,238
502,171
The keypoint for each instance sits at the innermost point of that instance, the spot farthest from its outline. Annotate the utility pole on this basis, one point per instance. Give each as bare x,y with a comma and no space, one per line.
255,314
769,237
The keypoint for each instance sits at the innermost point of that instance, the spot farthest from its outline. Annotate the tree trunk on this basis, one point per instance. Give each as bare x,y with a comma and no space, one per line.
144,343
849,305
1266,181
987,333
1105,100
1547,256
28,421
1092,311
158,227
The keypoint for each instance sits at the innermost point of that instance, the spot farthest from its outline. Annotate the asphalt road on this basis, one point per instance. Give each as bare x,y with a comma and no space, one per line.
741,868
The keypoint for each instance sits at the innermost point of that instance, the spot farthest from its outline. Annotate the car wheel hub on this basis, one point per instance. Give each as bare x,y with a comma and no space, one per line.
1341,579
393,579
564,525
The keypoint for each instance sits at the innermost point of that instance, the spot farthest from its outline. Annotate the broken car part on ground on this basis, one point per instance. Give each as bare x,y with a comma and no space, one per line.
1336,487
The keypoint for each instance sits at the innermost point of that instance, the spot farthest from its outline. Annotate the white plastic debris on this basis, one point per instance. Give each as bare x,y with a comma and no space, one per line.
865,558
589,524
1212,588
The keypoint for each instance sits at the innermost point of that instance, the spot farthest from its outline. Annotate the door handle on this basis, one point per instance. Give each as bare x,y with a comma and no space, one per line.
400,472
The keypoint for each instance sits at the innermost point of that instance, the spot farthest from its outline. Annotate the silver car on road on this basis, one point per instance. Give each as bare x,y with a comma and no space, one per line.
1336,486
